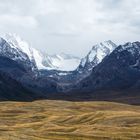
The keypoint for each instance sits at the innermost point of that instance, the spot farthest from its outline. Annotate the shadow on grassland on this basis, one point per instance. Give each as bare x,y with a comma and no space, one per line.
127,97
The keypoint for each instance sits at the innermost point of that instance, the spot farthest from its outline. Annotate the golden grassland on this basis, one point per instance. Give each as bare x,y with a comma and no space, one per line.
63,120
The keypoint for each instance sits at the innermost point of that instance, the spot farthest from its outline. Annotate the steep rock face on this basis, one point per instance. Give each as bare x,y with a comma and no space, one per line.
96,55
15,54
119,70
42,60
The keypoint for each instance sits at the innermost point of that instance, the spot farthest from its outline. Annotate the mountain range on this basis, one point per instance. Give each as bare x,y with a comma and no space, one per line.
107,72
63,62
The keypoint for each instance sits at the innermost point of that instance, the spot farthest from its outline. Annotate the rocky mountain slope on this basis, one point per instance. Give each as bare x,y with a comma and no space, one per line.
107,67
119,70
96,55
42,60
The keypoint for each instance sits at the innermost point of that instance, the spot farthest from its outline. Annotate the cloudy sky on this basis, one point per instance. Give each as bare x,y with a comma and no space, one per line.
71,26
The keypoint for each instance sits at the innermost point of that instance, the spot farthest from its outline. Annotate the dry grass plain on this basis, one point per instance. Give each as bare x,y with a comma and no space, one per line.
63,120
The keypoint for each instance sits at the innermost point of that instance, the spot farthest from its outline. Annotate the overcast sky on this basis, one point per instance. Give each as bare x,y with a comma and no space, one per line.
71,26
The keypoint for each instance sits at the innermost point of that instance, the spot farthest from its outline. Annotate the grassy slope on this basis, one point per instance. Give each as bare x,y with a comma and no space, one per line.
61,120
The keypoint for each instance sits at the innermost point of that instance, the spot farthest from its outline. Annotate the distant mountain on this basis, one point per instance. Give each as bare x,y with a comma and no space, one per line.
64,62
10,51
106,68
92,59
96,55
120,70
42,60
60,62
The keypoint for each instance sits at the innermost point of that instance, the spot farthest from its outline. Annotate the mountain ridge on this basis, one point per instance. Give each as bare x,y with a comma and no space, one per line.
107,67
42,59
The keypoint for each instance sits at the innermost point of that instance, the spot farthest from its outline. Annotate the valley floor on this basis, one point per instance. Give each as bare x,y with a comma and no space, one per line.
63,120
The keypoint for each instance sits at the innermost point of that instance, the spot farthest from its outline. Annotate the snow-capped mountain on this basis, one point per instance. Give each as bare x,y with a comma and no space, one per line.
120,70
62,62
106,67
16,54
96,55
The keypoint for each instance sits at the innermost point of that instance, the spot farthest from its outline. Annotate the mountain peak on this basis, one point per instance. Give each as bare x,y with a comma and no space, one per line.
16,42
64,62
108,44
97,53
